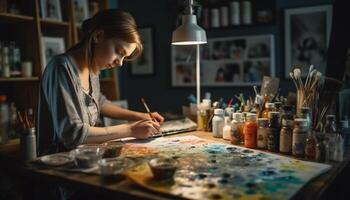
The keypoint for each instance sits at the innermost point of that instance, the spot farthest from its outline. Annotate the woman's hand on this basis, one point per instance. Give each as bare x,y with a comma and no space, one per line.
155,115
144,128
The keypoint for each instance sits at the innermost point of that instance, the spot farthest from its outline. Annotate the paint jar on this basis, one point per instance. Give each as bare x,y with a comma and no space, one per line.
250,131
273,132
305,113
310,146
218,122
215,19
262,133
322,149
286,136
28,144
236,129
234,13
269,107
300,131
246,12
229,111
226,133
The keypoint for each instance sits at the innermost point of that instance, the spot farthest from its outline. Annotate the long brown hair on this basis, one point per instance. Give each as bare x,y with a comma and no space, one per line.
116,24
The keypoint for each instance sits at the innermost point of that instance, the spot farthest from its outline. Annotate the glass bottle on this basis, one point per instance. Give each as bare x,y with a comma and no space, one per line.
262,133
305,113
330,130
236,126
268,108
344,131
250,131
322,150
299,137
310,146
286,136
218,122
273,132
4,119
330,126
226,133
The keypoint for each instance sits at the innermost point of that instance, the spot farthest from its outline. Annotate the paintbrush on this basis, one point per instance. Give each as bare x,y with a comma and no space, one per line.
149,112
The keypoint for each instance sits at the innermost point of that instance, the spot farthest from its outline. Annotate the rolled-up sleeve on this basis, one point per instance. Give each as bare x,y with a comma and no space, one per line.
65,108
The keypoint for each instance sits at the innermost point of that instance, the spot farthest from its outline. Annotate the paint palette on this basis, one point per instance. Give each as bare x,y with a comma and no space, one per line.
209,170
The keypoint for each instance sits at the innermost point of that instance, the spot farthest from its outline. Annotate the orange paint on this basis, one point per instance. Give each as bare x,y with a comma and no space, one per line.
250,134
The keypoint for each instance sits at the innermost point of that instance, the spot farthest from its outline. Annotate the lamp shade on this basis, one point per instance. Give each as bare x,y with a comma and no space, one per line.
189,33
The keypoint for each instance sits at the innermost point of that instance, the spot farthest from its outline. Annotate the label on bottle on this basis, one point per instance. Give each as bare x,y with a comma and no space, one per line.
262,138
272,139
298,146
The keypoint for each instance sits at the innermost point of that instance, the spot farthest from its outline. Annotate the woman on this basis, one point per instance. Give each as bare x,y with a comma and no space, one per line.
70,98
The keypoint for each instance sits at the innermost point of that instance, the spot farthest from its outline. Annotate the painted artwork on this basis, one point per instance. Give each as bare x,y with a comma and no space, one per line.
209,170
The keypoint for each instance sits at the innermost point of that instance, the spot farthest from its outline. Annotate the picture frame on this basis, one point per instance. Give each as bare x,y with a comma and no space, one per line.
81,10
51,10
225,62
51,46
307,32
144,64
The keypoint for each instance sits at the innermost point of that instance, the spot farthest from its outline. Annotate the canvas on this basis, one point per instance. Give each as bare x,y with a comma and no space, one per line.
210,170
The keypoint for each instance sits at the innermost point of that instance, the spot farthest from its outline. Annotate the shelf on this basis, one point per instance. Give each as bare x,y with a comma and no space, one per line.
53,23
251,27
19,79
13,18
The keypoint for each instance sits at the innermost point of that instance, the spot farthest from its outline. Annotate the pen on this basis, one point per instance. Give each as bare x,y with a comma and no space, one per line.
149,112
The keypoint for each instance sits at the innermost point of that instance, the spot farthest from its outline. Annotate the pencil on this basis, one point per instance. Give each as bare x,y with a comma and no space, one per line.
149,112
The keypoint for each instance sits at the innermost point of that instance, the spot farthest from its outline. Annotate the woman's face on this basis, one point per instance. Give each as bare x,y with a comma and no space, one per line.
109,53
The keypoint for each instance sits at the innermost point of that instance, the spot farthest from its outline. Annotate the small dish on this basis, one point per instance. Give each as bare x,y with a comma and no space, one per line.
57,160
163,168
112,166
112,149
87,157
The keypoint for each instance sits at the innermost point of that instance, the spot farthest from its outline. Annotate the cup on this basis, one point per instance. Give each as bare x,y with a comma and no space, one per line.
27,69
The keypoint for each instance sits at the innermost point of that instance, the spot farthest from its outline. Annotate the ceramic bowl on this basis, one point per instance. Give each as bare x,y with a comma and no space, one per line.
163,168
87,157
113,166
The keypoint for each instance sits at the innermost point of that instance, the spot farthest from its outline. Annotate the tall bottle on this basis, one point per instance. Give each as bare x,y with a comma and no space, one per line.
331,130
262,133
273,132
236,129
344,131
4,119
300,131
286,136
226,133
250,131
218,122
310,146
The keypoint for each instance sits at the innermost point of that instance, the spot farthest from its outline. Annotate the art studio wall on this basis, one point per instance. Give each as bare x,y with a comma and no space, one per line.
160,15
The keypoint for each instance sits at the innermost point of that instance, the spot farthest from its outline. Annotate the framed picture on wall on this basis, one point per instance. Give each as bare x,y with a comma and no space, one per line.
51,9
229,61
144,64
307,32
51,46
81,10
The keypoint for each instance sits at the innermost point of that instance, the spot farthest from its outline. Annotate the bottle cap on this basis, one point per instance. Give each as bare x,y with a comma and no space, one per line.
237,116
251,117
218,111
206,101
263,121
269,105
301,122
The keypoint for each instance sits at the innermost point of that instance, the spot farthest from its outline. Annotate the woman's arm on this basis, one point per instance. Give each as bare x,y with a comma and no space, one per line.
113,111
140,129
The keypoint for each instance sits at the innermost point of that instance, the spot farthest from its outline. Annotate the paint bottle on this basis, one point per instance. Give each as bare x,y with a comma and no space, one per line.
286,136
28,144
246,12
250,131
331,130
262,133
344,131
226,133
330,126
229,111
273,132
204,114
269,107
339,149
235,13
321,151
310,146
218,122
300,131
236,127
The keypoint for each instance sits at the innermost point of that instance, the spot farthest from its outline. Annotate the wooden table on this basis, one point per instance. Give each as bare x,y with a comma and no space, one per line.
325,186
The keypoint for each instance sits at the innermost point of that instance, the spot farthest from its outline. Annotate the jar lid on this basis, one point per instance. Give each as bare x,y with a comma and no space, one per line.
218,111
301,122
269,105
237,116
251,116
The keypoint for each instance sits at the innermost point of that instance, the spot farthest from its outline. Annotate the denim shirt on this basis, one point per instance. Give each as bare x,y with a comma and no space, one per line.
65,111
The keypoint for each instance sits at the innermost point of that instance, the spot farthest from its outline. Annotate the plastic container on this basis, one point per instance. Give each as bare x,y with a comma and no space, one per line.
87,157
113,166
163,168
218,123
